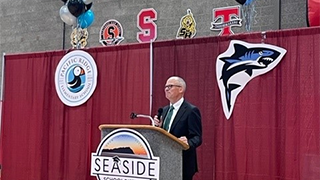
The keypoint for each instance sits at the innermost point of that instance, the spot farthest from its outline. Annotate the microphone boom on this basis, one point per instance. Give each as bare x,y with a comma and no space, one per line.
134,115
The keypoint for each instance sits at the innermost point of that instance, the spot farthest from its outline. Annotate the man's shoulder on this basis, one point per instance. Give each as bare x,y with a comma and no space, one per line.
189,105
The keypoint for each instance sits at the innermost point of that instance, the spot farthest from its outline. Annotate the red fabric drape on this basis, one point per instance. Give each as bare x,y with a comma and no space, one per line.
0,135
313,12
44,139
273,132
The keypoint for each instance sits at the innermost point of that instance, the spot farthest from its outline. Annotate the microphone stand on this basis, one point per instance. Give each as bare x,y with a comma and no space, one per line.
134,115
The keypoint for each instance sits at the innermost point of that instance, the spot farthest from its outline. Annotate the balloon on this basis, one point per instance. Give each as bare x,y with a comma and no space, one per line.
248,2
248,12
88,6
76,7
87,1
66,16
241,1
86,19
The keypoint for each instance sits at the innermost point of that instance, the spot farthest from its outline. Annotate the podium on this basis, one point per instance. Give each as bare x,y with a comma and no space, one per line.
163,145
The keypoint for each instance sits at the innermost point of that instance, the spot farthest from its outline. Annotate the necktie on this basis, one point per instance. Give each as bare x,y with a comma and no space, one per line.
168,118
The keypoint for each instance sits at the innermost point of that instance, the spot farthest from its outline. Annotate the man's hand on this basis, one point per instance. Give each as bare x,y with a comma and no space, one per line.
157,121
183,139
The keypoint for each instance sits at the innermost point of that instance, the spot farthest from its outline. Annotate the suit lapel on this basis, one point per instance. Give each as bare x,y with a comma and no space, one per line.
179,114
165,110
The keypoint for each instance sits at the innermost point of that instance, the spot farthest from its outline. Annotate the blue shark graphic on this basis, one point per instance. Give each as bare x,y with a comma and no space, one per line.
241,63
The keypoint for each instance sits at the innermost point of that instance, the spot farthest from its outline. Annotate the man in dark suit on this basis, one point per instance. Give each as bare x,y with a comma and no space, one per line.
183,120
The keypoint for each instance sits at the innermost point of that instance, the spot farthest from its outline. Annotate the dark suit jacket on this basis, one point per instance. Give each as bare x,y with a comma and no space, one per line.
187,122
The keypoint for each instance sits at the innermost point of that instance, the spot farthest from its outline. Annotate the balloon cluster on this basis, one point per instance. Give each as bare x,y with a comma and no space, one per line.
244,2
77,13
248,12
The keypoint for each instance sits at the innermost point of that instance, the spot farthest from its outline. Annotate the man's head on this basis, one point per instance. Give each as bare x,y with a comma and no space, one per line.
175,88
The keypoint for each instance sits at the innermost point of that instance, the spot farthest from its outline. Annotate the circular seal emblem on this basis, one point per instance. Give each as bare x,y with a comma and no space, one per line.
111,33
76,78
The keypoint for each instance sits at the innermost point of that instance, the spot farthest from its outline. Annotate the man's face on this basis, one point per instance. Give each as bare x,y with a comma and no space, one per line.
173,90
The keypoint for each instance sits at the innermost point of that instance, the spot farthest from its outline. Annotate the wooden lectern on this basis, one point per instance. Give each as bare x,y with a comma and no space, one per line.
163,144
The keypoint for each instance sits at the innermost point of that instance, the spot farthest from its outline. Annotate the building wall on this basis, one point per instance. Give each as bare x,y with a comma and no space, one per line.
35,25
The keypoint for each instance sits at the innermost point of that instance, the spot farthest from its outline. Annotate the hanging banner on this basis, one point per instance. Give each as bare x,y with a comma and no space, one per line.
240,64
76,78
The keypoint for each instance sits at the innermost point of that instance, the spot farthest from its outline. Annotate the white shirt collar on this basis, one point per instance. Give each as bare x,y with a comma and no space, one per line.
177,104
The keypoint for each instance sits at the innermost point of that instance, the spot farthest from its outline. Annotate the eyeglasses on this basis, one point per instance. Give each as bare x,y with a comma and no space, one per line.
170,86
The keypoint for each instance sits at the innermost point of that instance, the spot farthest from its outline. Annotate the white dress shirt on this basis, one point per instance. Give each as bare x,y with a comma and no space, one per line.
176,107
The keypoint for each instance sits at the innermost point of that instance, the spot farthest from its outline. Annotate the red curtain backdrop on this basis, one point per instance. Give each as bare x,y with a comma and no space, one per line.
0,136
43,138
273,132
313,12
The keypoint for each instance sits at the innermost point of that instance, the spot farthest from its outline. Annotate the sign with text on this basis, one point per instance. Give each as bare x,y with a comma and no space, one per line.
76,78
124,154
225,18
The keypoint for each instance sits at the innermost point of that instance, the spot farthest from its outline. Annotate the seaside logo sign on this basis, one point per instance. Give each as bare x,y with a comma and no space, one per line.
76,78
122,155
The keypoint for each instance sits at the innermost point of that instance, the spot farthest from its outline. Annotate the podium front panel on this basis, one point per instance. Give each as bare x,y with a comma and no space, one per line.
162,146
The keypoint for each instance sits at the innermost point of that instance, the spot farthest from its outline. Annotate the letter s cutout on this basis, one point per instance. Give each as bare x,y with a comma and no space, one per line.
145,22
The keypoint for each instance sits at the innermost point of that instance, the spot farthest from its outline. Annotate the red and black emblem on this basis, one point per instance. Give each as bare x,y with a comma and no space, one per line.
111,33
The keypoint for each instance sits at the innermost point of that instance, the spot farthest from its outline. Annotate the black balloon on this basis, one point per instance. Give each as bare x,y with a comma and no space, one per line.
88,6
76,7
241,1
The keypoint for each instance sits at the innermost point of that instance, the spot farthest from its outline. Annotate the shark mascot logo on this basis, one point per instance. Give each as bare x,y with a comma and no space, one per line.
239,64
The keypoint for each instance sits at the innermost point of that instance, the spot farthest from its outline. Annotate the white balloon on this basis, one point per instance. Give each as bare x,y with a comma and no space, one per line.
87,1
66,16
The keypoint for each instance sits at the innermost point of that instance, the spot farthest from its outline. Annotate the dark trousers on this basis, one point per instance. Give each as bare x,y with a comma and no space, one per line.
187,176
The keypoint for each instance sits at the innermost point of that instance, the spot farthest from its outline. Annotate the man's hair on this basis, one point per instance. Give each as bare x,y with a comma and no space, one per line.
181,82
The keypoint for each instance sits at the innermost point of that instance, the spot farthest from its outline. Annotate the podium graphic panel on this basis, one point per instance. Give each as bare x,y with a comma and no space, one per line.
156,150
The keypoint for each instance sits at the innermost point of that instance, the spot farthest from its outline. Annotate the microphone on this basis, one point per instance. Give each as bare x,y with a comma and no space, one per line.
134,115
160,110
